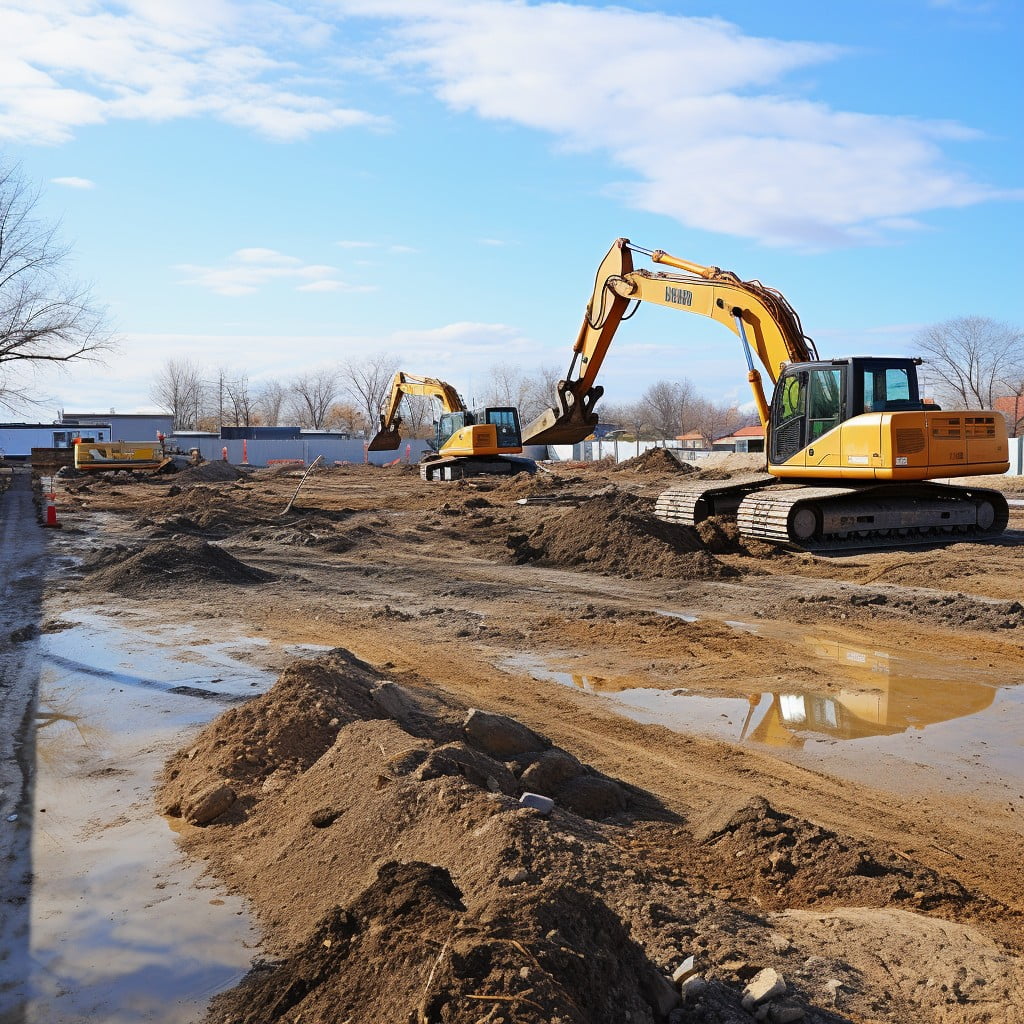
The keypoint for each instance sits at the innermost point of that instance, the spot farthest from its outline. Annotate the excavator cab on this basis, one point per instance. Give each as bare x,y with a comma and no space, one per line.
813,398
504,420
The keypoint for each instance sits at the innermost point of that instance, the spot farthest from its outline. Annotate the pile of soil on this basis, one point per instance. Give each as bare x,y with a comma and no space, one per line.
616,532
655,460
208,473
376,830
184,560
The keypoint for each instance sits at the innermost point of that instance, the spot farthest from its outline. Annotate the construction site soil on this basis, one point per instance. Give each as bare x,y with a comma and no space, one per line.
475,638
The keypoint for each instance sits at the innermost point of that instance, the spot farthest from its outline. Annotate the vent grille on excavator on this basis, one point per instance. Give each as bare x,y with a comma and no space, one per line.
910,440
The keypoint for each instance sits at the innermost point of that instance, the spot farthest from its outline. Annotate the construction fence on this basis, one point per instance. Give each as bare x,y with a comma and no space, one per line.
304,450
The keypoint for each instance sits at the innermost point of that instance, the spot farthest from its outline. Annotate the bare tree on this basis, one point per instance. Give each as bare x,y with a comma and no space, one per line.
540,392
179,390
346,417
505,385
241,410
269,401
669,404
311,396
218,395
418,415
45,317
971,359
714,420
630,417
369,382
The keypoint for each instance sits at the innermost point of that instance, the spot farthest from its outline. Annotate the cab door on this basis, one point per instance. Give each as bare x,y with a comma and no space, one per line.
788,417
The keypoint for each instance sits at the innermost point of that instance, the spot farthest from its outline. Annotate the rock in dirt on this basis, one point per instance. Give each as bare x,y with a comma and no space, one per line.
542,804
551,770
592,796
500,736
209,804
765,985
478,768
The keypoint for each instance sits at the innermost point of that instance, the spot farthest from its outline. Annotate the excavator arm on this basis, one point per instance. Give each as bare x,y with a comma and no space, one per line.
764,321
389,437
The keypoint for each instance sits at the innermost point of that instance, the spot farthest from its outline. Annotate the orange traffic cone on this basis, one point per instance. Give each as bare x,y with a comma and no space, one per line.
51,511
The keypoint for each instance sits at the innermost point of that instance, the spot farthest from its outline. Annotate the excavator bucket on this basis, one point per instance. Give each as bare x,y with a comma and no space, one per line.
572,420
385,440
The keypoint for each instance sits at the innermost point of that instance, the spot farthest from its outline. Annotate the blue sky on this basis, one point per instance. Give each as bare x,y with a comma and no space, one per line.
275,187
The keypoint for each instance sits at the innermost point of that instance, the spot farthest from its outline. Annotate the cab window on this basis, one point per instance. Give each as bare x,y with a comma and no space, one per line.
884,387
507,427
825,400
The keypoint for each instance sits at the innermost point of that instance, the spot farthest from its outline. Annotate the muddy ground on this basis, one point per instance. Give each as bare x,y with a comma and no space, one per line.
368,806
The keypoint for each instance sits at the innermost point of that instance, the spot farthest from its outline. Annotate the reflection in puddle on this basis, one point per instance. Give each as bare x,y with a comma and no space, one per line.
122,928
874,693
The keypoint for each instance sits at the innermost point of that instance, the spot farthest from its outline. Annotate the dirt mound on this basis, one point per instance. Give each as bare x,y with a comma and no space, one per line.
957,610
654,460
372,825
183,560
208,473
616,532
286,730
455,965
208,511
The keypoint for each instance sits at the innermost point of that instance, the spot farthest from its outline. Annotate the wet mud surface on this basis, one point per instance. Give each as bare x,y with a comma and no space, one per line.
767,761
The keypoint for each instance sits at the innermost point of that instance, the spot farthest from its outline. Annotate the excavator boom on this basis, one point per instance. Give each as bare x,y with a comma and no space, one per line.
764,321
389,436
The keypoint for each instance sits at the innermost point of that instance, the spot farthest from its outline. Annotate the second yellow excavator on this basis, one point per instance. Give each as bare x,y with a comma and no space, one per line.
467,442
851,446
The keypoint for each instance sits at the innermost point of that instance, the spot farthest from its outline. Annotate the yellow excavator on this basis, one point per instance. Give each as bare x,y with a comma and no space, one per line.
467,442
850,443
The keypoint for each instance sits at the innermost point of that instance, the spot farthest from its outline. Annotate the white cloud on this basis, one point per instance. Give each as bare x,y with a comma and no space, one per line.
706,124
391,248
246,271
698,113
73,182
67,65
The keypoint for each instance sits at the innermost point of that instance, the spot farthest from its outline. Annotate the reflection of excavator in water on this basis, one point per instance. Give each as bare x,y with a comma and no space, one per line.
881,698
467,442
850,443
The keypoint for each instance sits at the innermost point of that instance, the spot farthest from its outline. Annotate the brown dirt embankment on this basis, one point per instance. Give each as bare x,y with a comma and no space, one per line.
381,825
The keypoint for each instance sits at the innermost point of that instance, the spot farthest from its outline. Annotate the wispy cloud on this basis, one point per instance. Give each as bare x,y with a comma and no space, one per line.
247,271
724,141
381,246
67,65
73,182
704,123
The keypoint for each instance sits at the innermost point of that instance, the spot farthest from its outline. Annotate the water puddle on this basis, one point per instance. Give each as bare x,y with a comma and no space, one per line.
959,719
122,929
